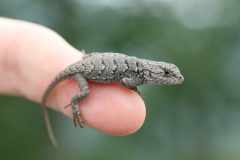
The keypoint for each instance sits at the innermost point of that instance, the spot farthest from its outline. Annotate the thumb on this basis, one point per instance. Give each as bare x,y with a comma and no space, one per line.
38,54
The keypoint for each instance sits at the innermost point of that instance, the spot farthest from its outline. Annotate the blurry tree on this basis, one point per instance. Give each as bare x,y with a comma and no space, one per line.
197,120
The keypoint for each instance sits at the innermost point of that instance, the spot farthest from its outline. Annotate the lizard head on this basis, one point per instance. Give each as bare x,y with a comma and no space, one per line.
162,73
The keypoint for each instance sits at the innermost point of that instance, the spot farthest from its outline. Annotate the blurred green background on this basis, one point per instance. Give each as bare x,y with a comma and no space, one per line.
198,120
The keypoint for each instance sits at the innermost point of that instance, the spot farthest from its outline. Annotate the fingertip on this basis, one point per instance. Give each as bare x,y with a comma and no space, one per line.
113,109
109,108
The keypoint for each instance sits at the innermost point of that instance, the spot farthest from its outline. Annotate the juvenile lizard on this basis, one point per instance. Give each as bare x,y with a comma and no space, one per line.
130,71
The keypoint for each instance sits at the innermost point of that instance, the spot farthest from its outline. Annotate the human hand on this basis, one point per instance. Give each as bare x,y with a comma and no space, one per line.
32,55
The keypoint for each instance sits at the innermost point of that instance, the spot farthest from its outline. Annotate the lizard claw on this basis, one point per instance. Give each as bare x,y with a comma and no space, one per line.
76,115
67,106
77,120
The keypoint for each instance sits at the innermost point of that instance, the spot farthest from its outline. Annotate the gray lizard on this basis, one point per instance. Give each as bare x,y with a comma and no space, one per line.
130,71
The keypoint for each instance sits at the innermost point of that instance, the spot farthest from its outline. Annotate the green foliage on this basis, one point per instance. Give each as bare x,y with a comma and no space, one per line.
197,120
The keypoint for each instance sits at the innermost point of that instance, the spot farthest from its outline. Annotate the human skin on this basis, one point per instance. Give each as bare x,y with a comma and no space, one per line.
32,55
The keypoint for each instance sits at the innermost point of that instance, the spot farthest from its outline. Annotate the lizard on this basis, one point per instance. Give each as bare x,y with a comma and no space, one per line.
108,67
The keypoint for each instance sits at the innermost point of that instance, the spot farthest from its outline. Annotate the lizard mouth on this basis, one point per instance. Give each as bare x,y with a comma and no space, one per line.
180,79
174,81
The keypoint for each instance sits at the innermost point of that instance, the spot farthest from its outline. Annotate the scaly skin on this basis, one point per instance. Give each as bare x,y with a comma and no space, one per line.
130,71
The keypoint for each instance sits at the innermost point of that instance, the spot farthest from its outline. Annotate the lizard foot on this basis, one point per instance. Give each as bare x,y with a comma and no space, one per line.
77,120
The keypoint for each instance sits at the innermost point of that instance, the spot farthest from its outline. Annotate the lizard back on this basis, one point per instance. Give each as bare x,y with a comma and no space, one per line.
108,67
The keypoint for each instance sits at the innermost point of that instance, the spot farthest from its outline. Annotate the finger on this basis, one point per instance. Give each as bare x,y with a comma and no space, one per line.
37,55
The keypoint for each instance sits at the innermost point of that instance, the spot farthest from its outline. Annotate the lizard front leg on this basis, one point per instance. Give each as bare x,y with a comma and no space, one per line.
132,84
82,83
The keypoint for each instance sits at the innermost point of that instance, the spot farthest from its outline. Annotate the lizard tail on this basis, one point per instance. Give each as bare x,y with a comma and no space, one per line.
61,76
46,116
49,127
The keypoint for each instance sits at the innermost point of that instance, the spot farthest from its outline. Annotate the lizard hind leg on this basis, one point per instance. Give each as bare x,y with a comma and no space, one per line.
82,83
77,119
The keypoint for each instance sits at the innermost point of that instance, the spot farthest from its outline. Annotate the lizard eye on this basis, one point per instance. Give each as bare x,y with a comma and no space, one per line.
166,72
